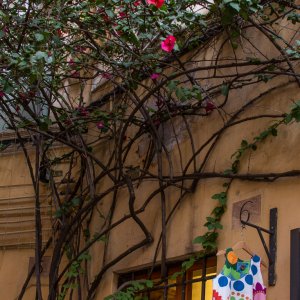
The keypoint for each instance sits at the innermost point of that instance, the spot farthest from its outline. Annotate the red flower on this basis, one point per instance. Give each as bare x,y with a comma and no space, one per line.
137,3
75,74
106,75
23,97
2,94
83,111
157,3
209,107
104,15
59,32
168,44
31,93
81,49
72,63
123,14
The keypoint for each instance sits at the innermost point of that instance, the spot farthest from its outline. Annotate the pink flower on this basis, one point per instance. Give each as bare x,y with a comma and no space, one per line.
72,63
80,49
100,125
83,111
59,32
68,122
137,3
168,44
157,3
75,74
106,75
123,14
154,76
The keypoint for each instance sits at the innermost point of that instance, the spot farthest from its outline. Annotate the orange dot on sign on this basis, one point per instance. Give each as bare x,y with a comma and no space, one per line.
232,258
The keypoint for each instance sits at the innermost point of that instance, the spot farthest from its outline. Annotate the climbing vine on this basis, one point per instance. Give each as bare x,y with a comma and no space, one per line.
122,88
209,239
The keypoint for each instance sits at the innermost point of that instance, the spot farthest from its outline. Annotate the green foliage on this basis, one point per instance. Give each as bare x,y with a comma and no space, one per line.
74,271
67,207
56,45
232,8
294,17
131,292
209,239
294,52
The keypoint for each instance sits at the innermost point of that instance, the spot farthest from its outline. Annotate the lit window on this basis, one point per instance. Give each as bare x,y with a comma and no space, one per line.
195,284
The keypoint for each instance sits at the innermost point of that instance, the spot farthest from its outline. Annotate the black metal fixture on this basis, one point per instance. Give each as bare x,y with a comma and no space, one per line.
295,264
271,252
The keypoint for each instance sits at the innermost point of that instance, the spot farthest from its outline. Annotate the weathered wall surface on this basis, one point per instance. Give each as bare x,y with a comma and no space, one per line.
17,225
276,154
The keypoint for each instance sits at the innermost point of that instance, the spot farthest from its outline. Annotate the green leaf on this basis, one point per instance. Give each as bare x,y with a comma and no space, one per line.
58,213
224,89
149,283
235,6
172,85
199,240
43,126
221,197
39,37
274,131
188,264
288,118
244,144
175,275
75,201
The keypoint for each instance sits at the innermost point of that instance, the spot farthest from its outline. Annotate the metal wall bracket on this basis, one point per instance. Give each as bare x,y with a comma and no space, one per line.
271,252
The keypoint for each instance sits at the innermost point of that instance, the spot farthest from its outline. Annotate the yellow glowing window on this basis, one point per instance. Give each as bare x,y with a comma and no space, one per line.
195,284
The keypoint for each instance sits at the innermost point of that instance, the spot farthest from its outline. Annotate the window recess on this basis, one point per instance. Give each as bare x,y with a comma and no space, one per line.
194,284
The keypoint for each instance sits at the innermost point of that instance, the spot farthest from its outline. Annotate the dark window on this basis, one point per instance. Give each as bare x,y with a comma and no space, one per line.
195,284
295,264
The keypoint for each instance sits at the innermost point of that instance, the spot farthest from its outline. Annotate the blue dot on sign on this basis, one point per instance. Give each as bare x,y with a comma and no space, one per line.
223,281
238,286
255,258
254,269
249,279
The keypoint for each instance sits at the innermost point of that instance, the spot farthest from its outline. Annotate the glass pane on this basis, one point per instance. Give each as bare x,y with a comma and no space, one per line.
197,286
208,290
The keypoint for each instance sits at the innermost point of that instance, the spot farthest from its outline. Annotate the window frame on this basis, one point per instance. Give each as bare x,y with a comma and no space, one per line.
185,282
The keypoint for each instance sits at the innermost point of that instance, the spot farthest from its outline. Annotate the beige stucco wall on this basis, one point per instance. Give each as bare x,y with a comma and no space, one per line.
274,155
17,205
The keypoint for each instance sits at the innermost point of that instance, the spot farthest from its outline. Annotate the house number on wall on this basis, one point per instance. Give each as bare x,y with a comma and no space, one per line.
253,206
